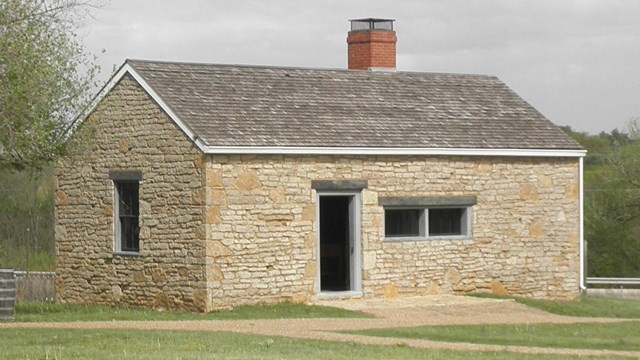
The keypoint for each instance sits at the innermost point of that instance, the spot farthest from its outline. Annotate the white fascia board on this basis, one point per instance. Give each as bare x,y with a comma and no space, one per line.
284,150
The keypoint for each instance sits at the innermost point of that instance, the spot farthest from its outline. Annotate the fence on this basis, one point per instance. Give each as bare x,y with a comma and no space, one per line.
620,282
7,294
616,287
35,286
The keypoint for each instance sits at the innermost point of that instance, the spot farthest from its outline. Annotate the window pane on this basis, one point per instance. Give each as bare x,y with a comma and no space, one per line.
402,222
128,213
128,193
446,221
129,234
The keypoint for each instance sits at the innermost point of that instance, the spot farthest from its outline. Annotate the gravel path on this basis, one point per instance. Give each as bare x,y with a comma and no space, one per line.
413,311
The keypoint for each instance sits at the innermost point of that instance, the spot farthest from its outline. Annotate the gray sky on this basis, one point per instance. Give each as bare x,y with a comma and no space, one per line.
576,61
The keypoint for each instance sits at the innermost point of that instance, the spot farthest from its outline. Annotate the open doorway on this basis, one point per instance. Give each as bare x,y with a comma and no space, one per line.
339,262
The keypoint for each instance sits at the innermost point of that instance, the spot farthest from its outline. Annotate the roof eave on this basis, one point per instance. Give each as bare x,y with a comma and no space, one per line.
302,150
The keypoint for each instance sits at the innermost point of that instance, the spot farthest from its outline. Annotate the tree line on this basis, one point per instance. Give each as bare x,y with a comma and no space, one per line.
612,200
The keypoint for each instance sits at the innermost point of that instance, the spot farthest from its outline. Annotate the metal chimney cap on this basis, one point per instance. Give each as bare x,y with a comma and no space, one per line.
371,24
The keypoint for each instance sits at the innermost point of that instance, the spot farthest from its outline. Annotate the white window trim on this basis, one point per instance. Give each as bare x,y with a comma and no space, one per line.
424,224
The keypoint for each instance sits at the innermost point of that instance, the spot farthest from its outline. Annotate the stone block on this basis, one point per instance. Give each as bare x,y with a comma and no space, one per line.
139,277
545,181
158,275
217,249
433,289
309,212
277,195
123,146
213,215
116,292
536,228
390,291
452,276
369,260
528,192
247,180
299,297
214,179
161,301
310,269
61,198
214,273
572,191
218,197
498,289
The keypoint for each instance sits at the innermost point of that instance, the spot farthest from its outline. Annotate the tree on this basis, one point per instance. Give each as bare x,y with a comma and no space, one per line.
613,215
612,201
633,126
45,79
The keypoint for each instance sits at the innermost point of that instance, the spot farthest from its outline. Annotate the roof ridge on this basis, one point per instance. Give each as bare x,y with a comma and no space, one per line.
302,68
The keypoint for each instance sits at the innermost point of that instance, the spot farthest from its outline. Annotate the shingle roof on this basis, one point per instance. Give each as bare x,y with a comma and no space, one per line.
231,105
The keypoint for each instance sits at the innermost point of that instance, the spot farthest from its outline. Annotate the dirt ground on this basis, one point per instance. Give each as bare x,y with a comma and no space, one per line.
399,312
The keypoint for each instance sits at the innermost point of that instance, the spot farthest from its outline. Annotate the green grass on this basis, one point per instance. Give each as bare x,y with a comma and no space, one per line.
152,344
48,312
585,306
609,336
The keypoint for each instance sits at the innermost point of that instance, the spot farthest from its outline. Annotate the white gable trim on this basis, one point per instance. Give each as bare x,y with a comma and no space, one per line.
127,69
308,150
181,124
282,150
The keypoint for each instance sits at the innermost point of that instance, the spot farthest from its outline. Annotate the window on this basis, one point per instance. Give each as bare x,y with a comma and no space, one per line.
403,222
446,222
126,211
427,218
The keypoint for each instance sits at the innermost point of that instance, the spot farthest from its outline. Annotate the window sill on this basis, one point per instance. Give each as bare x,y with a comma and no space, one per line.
126,253
431,238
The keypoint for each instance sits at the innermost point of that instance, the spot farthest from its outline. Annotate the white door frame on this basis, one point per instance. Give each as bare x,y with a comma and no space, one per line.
355,260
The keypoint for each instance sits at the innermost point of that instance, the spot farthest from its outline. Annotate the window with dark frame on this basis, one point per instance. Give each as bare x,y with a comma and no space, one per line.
127,214
446,222
402,222
426,222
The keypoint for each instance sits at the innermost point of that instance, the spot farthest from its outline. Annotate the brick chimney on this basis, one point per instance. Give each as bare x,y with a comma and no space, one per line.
371,44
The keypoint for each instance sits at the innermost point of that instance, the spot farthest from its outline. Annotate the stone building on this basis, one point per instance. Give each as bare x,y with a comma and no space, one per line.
204,186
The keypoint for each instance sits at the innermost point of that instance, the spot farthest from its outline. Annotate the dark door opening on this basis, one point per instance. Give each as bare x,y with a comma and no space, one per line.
335,243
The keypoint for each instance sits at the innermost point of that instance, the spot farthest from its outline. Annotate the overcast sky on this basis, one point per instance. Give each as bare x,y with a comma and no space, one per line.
576,61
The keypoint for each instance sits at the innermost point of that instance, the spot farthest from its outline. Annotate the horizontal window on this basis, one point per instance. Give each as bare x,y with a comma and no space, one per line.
434,222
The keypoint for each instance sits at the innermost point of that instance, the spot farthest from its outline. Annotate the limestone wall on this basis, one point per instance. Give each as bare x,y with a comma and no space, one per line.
128,131
261,226
222,230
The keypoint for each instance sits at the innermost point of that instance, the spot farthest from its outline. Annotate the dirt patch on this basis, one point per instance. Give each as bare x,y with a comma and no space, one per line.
400,312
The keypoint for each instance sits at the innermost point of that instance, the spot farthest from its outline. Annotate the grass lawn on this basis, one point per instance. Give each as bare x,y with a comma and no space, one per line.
585,306
603,336
43,312
151,344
